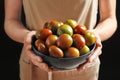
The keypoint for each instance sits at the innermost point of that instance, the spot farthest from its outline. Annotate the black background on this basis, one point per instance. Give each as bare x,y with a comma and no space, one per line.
10,53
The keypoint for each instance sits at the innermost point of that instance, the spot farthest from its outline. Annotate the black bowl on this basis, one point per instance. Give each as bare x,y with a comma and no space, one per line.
63,63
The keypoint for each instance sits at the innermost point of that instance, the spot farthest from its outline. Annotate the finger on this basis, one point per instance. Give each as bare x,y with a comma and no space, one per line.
98,42
31,54
86,64
28,39
95,54
83,66
33,57
97,51
38,61
44,66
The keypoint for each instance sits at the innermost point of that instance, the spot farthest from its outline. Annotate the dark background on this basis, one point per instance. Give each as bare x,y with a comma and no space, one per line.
10,53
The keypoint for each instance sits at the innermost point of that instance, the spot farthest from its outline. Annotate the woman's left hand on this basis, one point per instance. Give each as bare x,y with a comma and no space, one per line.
95,54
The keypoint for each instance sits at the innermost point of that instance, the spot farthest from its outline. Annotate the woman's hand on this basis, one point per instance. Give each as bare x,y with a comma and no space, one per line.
95,54
36,60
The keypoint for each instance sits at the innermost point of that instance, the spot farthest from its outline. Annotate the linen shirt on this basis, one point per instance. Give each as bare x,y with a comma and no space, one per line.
38,12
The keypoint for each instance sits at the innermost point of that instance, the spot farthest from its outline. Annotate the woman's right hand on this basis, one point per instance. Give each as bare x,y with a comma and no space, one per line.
36,60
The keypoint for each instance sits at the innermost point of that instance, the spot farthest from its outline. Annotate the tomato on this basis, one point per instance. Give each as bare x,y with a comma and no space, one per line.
84,50
72,52
38,41
78,41
53,25
64,41
41,46
80,29
65,29
44,33
51,40
71,22
55,51
90,38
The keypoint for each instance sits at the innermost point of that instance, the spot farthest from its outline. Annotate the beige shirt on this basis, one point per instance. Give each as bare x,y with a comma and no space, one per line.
40,11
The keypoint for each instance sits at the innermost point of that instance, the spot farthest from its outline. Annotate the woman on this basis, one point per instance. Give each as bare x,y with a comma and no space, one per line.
37,12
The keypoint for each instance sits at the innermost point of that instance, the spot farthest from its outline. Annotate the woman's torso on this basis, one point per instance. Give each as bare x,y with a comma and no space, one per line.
38,12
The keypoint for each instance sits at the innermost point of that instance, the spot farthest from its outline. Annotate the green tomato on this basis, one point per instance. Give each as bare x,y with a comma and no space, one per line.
90,38
65,29
71,22
84,50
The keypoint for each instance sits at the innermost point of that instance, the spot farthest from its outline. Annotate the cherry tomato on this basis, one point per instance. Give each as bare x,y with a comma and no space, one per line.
44,33
90,38
72,52
51,40
71,22
64,41
55,51
41,46
84,50
80,29
78,41
53,25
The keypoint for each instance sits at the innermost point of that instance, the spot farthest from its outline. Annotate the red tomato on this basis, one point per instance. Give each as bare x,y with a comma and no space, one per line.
78,41
44,33
64,41
41,46
80,29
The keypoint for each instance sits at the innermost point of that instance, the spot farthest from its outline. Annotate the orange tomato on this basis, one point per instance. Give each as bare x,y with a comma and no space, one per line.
72,52
55,51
